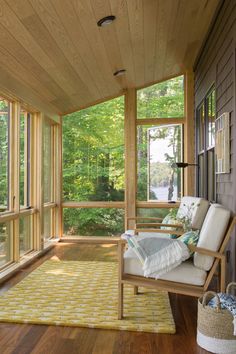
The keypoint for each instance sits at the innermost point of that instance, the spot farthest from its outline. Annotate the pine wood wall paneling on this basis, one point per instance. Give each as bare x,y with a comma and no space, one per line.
120,9
24,93
70,60
78,36
109,38
135,13
87,20
150,21
49,17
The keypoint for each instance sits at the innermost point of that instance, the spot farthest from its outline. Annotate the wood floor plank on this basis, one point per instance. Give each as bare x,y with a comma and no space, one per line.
39,339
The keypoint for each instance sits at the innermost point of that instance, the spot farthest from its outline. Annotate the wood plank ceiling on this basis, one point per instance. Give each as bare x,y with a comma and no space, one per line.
54,56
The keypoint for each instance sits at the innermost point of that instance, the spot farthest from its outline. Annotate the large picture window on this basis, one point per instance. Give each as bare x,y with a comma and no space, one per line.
93,153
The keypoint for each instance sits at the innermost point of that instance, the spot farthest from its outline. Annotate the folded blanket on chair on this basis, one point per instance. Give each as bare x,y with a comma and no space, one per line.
158,255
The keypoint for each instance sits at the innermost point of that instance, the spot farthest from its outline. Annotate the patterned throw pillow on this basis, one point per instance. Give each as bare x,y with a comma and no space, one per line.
169,219
190,238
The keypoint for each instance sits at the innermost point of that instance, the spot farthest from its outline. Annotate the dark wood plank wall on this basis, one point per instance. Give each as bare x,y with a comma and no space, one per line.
216,64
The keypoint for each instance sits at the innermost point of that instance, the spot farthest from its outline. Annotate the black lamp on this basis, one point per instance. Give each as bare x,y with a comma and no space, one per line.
183,164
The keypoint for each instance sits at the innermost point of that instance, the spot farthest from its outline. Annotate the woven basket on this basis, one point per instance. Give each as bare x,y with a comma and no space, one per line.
215,325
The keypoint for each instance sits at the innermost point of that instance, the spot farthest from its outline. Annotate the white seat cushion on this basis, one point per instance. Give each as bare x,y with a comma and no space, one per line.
198,208
212,234
186,272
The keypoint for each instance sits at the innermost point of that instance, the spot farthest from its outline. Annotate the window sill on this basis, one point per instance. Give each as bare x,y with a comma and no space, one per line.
28,258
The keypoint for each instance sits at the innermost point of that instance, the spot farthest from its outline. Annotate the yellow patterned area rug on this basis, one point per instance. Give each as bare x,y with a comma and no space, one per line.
84,294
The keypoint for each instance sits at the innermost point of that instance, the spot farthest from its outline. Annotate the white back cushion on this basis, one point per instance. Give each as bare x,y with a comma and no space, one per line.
212,234
197,207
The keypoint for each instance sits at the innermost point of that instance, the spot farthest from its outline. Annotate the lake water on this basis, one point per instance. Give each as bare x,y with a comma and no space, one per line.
162,193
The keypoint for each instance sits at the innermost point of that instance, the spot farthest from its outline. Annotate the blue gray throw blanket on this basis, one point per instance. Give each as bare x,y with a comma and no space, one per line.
228,302
157,255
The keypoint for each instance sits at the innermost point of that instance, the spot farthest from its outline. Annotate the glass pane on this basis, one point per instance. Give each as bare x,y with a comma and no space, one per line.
26,235
4,117
163,100
48,163
211,175
201,128
24,158
201,176
47,223
5,243
93,222
158,149
211,118
93,153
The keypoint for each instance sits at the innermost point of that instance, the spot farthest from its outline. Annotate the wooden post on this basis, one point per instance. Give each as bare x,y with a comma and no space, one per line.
58,179
189,137
38,180
130,156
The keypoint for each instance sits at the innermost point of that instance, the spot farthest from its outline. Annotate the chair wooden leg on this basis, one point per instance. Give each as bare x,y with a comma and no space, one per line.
222,274
120,284
135,290
120,300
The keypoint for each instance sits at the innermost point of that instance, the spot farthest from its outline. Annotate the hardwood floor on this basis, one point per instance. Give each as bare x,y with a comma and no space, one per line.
24,339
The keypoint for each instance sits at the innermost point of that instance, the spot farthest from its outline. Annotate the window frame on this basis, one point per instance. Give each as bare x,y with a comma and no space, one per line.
202,181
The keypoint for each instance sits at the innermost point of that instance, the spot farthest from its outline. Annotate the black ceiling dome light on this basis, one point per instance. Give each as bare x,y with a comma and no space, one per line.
119,72
105,21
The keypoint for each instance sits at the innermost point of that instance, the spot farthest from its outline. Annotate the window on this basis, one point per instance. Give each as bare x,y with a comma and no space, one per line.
93,169
163,100
24,159
93,222
5,243
158,149
4,153
50,165
26,232
206,146
48,162
93,153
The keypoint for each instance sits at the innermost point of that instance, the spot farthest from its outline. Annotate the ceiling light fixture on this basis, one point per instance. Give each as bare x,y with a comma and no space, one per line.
105,21
119,72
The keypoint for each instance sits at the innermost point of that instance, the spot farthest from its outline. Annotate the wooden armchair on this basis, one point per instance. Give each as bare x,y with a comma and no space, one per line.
193,276
199,208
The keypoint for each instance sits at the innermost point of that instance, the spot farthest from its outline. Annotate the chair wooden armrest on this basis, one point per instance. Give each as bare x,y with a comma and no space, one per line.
160,231
206,252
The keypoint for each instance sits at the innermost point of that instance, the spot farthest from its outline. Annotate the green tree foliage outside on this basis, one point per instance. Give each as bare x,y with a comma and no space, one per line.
3,154
163,100
93,156
93,166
